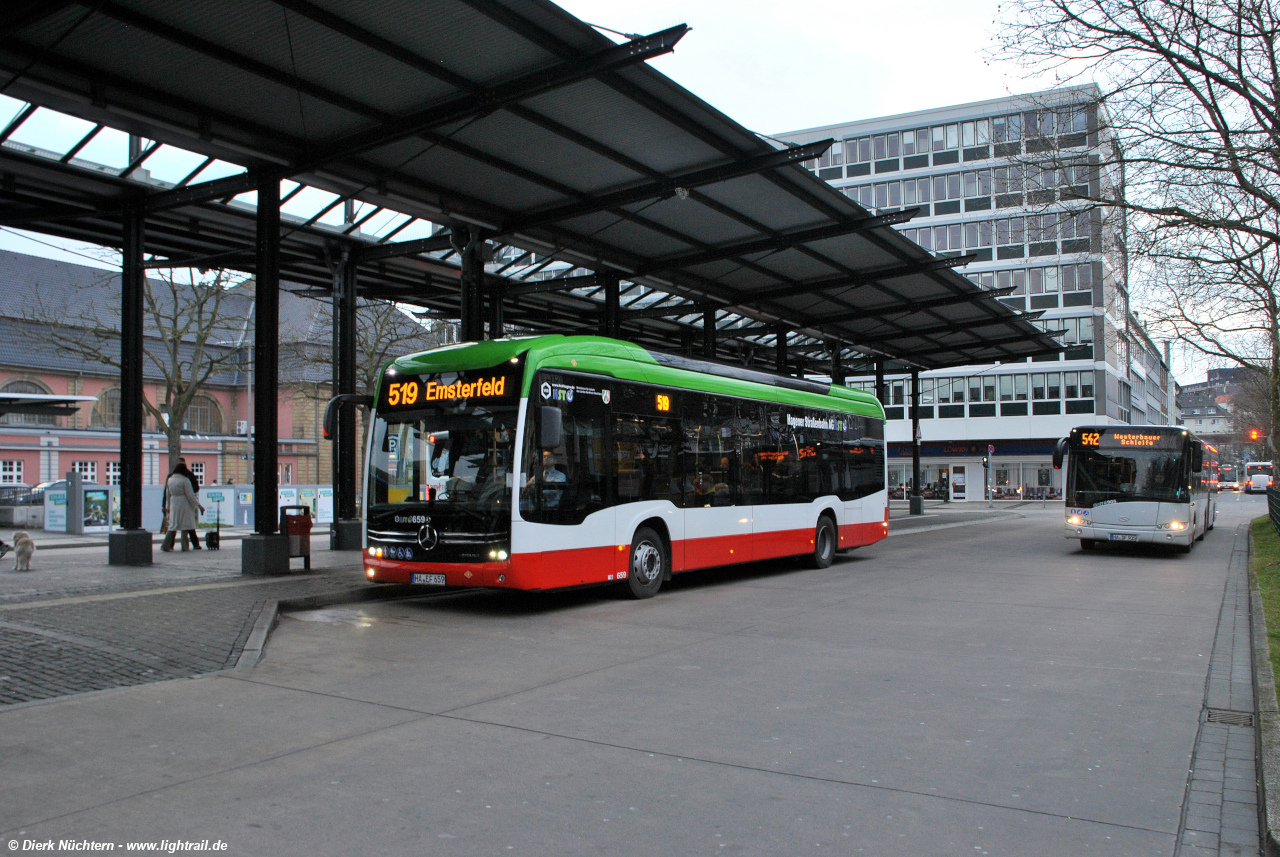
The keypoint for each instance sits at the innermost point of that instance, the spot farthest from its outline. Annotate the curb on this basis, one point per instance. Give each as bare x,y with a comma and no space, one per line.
156,540
270,615
1268,717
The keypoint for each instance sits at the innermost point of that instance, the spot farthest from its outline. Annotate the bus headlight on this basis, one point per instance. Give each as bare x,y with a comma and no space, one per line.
1075,520
499,554
376,553
1177,525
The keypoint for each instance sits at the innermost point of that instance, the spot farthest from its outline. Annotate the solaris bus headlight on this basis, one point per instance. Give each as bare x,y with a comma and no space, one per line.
1177,525
1075,520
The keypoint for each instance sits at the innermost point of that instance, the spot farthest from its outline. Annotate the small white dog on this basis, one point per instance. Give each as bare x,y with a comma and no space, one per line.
23,548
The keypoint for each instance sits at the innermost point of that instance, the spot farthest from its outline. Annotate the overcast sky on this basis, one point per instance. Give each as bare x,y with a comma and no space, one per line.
779,67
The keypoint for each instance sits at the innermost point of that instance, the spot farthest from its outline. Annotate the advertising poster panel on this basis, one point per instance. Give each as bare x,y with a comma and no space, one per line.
55,511
97,510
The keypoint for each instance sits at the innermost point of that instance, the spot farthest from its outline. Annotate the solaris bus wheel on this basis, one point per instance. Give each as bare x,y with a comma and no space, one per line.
1087,544
824,543
648,565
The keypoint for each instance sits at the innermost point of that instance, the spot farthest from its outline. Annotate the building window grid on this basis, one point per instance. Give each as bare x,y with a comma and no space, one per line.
11,472
87,469
987,233
113,473
1006,128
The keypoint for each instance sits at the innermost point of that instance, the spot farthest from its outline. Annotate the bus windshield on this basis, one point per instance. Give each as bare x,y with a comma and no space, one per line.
456,458
1110,475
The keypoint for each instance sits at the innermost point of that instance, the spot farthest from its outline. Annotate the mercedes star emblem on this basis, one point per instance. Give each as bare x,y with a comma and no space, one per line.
427,537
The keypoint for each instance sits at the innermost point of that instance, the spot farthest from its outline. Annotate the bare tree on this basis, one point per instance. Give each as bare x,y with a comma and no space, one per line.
188,340
384,331
1189,100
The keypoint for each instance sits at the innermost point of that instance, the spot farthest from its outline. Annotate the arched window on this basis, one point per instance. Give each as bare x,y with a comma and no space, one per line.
106,411
203,416
27,419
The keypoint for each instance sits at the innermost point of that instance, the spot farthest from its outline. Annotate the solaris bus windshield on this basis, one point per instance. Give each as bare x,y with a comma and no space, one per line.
457,458
1101,475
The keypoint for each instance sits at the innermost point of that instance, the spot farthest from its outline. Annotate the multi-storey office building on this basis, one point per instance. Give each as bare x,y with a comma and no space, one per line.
1008,181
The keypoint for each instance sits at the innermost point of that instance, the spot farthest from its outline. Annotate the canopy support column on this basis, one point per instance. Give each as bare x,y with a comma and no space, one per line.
495,311
131,545
917,502
709,334
881,393
837,365
611,314
266,551
345,532
780,350
471,283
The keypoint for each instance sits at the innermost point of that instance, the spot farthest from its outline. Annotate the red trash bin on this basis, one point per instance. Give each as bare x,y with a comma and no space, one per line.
295,522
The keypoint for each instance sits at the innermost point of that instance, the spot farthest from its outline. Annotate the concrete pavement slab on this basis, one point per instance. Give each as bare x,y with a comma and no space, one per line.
986,689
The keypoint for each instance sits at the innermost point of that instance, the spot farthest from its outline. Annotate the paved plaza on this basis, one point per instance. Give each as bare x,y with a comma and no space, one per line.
975,684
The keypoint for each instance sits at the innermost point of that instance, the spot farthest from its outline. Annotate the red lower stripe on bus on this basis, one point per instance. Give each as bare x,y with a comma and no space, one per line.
549,570
857,535
579,566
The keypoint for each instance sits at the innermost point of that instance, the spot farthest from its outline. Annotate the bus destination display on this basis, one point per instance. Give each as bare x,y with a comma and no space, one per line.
479,386
1128,438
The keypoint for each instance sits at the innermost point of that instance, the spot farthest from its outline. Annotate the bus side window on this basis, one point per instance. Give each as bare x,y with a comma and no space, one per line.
565,484
644,458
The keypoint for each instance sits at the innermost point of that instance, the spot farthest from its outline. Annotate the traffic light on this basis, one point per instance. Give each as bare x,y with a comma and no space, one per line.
986,462
1253,434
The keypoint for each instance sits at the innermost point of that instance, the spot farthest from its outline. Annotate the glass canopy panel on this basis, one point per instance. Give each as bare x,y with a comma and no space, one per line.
51,130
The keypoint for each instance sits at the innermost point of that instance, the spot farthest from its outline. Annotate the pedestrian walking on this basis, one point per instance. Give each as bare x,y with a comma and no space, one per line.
181,507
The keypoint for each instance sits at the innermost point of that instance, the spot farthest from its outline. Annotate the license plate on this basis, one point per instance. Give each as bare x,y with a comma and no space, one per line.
1124,537
427,579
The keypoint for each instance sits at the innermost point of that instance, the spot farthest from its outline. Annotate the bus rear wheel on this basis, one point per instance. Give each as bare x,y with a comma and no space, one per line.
648,565
824,543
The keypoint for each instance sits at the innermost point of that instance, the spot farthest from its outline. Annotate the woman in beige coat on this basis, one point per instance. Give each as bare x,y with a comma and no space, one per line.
181,506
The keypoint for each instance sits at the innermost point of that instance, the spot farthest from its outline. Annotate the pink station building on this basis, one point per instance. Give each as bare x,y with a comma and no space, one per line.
41,294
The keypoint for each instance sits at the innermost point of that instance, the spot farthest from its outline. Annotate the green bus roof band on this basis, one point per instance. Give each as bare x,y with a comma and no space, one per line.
624,361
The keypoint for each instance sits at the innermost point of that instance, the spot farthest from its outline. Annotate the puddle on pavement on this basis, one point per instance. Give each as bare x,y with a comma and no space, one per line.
336,616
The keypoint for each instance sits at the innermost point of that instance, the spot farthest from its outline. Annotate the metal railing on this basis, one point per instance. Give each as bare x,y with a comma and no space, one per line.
20,495
1273,506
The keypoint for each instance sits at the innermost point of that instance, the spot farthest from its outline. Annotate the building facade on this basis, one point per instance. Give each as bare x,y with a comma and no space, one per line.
42,293
1007,180
1219,410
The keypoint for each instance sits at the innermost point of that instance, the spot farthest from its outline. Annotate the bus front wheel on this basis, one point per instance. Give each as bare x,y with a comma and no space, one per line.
648,564
824,543
1086,544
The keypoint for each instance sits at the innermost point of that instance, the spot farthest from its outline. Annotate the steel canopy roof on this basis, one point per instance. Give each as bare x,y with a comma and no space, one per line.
511,118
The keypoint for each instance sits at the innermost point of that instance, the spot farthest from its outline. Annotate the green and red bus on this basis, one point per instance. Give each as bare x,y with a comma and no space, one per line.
558,461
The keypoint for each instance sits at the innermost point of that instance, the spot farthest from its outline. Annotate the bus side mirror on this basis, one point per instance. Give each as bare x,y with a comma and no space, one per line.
550,434
337,403
1059,452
